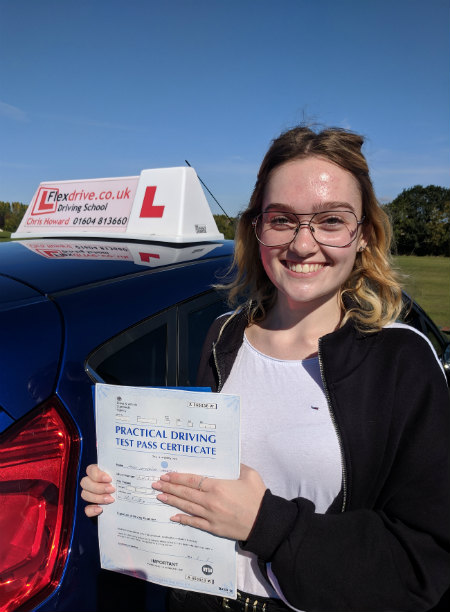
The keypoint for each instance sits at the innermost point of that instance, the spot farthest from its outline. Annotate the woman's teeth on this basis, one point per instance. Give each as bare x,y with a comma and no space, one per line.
304,268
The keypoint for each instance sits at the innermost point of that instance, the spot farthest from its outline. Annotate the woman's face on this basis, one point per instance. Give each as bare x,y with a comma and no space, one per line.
305,272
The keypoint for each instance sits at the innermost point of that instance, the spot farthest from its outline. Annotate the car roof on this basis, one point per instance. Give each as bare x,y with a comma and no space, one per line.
54,265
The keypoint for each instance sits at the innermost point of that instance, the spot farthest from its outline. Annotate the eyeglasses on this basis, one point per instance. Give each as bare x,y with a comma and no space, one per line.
333,228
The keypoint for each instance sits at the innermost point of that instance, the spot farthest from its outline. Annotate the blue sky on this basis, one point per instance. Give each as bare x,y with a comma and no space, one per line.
104,88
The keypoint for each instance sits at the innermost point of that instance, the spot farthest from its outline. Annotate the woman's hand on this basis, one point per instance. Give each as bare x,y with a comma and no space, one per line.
96,490
226,508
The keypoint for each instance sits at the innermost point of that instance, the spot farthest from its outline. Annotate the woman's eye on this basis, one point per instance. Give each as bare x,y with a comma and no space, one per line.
334,220
279,220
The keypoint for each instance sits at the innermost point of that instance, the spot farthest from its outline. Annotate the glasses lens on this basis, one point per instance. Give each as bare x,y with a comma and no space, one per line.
275,228
336,228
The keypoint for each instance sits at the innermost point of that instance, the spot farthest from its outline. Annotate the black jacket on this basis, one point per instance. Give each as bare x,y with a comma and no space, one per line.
384,543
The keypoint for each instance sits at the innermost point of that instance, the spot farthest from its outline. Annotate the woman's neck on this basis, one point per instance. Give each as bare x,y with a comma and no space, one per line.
293,333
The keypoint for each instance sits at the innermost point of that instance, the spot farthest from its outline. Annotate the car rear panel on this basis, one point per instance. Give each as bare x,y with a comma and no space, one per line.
31,340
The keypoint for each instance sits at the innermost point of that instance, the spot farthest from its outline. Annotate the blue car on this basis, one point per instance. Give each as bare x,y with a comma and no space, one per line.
76,311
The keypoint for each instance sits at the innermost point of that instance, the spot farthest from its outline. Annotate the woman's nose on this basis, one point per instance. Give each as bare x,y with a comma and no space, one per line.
304,240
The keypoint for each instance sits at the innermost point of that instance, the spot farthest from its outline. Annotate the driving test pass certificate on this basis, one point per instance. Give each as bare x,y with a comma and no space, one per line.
141,434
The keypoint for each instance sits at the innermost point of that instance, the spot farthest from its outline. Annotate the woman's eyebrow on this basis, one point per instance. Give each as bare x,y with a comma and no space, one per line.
334,206
321,206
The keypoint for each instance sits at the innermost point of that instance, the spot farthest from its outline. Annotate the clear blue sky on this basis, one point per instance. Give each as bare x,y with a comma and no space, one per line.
104,88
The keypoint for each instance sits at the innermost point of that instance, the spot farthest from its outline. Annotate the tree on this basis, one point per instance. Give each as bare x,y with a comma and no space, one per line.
421,220
226,226
11,215
4,210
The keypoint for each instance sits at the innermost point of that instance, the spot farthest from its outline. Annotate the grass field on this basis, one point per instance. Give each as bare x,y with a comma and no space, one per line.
427,280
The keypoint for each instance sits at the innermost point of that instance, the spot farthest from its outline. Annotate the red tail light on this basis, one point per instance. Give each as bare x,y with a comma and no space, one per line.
38,466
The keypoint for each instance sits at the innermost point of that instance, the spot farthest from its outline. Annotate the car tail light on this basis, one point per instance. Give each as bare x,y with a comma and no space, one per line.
38,468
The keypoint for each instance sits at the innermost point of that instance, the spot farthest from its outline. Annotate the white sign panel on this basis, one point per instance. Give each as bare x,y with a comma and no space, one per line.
103,205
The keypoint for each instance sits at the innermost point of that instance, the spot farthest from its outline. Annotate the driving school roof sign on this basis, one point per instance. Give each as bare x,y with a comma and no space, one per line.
165,204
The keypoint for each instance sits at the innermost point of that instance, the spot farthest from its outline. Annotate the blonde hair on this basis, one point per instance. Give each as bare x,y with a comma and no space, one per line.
371,296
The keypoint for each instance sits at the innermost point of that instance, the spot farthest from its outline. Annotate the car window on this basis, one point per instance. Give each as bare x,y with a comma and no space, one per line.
417,320
139,356
435,340
193,323
163,350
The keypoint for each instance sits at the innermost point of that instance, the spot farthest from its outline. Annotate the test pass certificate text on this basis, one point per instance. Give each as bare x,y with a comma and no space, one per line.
141,434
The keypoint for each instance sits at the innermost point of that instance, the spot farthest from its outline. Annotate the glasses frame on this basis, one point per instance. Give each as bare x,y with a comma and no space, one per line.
308,224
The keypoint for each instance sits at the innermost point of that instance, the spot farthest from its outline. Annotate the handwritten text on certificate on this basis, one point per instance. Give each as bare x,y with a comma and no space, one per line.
141,434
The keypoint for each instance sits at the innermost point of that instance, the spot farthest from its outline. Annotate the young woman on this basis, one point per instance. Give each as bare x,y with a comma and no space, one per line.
345,413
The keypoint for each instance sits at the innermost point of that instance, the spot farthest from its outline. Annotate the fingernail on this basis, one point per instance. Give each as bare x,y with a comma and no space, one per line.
162,497
157,485
109,489
165,477
108,499
97,510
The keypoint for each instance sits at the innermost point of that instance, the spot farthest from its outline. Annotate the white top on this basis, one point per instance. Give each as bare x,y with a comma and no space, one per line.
286,435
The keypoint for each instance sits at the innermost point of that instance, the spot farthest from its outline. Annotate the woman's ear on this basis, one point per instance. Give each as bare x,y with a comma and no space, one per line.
364,238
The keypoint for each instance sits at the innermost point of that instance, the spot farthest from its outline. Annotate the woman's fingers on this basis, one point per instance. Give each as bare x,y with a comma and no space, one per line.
97,498
96,474
92,511
96,489
192,521
185,486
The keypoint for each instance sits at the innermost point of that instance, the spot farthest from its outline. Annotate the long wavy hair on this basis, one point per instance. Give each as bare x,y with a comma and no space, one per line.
371,296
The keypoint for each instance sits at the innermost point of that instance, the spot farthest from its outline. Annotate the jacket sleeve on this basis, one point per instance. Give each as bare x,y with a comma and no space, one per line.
390,550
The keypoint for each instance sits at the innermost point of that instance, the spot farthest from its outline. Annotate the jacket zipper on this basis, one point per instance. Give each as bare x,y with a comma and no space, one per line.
216,363
336,429
219,386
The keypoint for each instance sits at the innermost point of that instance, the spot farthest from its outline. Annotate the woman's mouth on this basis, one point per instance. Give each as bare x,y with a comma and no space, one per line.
303,268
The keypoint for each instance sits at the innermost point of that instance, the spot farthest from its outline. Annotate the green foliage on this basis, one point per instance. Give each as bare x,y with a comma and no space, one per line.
421,221
225,225
11,215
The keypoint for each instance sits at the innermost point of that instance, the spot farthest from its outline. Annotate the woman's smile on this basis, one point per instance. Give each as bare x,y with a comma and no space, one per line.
303,268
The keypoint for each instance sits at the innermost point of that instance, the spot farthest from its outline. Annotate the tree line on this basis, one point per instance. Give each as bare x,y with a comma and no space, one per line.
11,214
420,218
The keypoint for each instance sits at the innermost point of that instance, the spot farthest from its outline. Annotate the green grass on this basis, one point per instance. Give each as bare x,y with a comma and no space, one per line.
427,280
4,236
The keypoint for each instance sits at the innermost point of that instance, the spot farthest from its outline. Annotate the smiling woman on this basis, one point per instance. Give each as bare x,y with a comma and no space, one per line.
344,412
307,273
372,285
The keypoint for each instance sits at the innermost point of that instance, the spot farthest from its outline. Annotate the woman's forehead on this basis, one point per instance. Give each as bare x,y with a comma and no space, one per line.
312,182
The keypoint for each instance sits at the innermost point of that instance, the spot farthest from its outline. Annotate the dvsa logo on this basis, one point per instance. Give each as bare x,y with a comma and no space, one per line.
207,570
46,201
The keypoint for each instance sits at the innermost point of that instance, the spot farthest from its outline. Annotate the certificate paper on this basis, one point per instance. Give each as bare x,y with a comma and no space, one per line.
141,434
